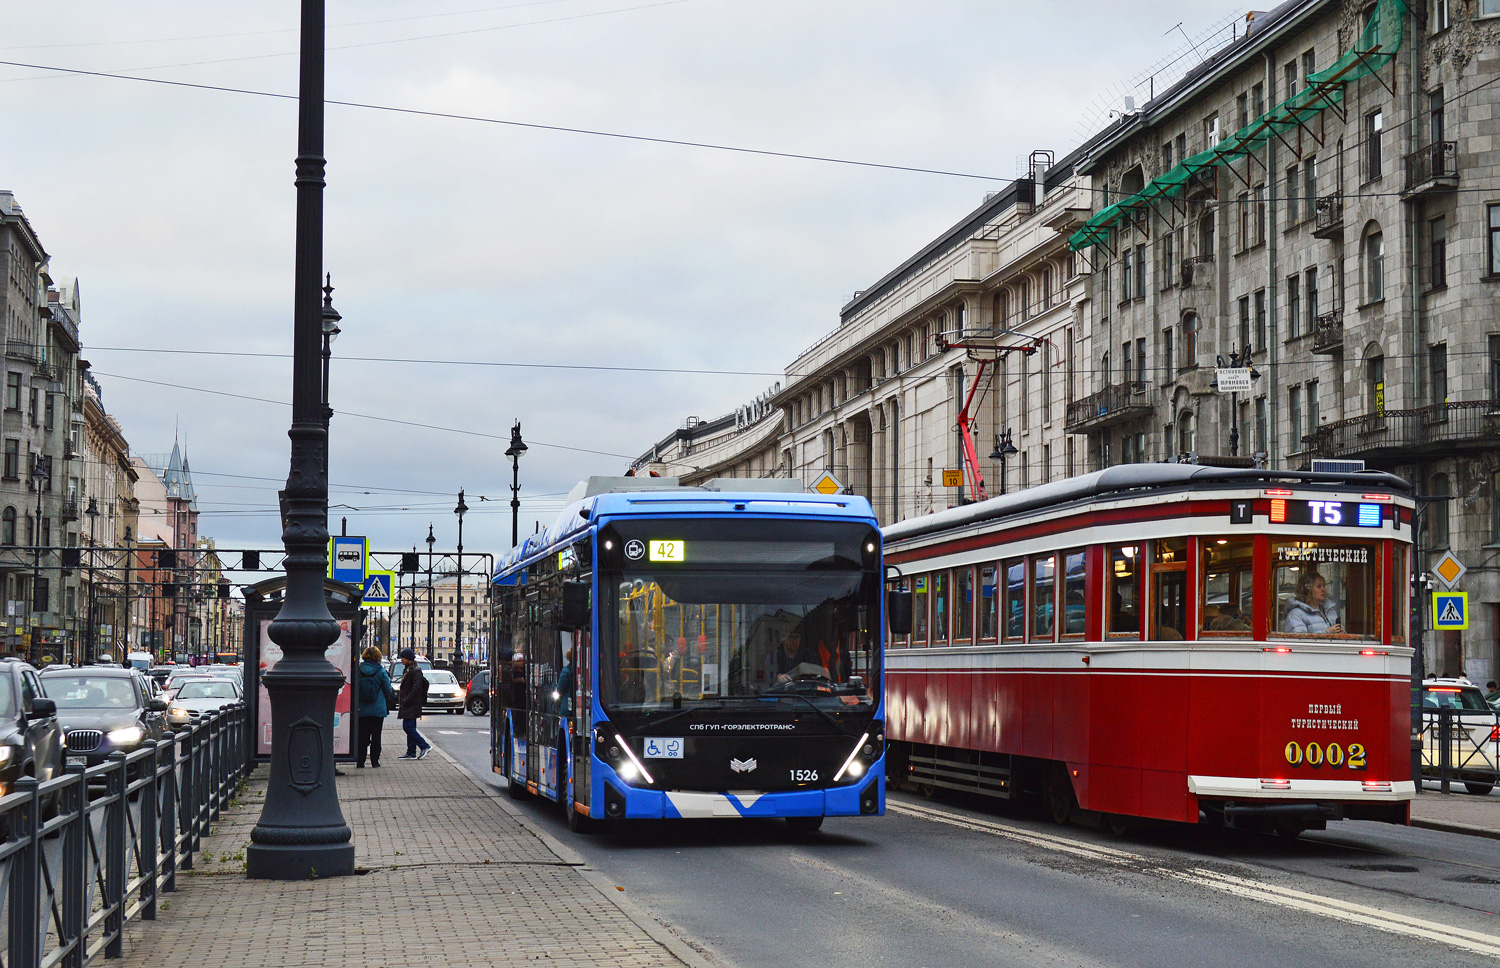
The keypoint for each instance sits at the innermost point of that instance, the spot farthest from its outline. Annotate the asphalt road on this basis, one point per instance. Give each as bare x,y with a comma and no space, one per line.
960,881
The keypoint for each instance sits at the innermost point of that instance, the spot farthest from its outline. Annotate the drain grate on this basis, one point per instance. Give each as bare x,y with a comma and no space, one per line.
1387,868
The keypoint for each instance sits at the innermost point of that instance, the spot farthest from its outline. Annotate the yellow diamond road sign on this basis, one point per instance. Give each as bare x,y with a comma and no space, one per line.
1449,569
827,484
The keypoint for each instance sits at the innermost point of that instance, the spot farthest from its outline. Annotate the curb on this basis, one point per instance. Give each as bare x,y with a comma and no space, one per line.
657,929
1456,828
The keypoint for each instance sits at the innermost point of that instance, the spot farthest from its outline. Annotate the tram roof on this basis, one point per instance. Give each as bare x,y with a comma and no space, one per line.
1125,478
623,497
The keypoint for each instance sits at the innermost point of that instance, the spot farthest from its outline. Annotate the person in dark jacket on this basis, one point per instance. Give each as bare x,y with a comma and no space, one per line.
375,686
409,705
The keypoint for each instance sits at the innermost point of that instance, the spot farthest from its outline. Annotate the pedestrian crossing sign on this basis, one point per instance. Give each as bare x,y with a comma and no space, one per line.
1450,610
380,589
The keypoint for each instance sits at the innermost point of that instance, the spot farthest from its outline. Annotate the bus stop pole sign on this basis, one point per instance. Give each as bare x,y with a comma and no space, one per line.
347,559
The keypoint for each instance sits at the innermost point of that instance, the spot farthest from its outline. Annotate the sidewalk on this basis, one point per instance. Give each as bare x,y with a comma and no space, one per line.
1459,813
448,874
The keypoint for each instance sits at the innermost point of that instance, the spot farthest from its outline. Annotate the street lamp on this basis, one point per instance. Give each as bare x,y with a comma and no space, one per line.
41,473
430,541
331,332
93,513
129,567
514,451
301,831
1003,449
458,639
1236,361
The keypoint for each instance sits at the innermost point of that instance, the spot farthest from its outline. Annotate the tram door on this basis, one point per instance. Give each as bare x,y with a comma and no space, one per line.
1169,594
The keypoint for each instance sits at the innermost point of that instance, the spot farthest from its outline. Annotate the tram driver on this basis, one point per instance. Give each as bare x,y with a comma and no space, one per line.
1309,611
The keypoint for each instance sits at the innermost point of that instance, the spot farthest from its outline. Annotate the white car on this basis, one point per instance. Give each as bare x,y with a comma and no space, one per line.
1474,741
444,693
198,698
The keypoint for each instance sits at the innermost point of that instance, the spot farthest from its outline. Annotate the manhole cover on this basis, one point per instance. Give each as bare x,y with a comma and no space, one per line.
1473,879
1387,868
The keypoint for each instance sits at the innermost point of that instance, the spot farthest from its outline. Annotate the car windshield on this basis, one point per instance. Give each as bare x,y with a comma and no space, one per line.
206,689
440,678
770,610
1454,697
83,691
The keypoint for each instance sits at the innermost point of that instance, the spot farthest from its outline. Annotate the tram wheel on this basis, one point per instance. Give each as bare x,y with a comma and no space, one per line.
1060,799
1119,825
1479,789
804,825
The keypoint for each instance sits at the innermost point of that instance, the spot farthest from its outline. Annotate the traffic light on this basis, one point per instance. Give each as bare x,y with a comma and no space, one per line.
72,557
251,561
410,562
168,589
166,558
223,589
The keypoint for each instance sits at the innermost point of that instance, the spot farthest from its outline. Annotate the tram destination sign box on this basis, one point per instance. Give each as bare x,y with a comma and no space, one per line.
1332,514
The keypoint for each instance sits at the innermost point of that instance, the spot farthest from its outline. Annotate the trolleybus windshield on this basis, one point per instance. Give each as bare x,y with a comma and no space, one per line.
705,613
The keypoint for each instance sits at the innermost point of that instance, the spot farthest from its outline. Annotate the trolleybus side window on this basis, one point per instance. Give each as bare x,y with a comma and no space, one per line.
1073,600
1226,587
989,602
919,611
1124,581
941,596
1013,607
1326,588
963,606
1398,590
1169,589
1043,596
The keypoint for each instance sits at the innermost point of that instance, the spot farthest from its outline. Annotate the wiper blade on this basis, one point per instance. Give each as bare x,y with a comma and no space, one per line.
678,713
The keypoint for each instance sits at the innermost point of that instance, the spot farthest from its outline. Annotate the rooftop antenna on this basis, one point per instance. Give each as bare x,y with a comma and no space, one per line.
1188,39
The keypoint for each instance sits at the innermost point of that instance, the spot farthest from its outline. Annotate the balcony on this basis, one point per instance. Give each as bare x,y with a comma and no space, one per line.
69,511
1111,405
1328,217
1432,169
1198,272
1441,428
1328,333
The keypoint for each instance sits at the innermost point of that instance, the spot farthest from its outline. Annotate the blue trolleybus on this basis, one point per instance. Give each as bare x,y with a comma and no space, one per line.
713,651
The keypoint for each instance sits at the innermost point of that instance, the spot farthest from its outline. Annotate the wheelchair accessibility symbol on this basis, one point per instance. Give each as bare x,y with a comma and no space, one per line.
664,748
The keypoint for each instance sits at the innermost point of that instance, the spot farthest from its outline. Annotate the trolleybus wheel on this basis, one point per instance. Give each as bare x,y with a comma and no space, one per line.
1060,799
804,825
1479,789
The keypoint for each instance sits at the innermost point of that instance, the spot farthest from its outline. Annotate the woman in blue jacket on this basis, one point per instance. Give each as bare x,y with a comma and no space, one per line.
376,699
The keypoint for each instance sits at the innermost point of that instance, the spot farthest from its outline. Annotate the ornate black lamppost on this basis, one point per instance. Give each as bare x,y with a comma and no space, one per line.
514,451
301,832
90,650
431,540
458,641
1003,449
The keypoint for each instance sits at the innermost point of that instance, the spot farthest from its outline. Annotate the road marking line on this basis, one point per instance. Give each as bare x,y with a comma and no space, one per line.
1261,891
449,732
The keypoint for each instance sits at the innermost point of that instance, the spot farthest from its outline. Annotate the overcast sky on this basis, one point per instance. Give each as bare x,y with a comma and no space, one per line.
461,240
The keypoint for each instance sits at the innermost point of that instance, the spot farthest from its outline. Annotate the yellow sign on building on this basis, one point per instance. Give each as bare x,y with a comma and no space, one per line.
953,478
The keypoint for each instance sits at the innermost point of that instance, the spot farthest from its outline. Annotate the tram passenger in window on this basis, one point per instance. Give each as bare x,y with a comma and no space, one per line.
1122,618
1309,611
1228,619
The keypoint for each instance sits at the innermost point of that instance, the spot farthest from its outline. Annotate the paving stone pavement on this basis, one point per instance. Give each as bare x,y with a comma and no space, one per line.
448,875
1460,812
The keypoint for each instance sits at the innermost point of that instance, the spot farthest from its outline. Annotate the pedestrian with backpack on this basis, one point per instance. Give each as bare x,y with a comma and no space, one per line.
376,697
413,698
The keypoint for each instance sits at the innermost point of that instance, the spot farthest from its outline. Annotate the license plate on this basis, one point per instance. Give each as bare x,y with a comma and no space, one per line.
662,748
78,761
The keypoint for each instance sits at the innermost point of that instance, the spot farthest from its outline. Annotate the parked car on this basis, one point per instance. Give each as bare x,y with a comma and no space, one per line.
477,693
199,698
1474,749
31,741
444,694
104,710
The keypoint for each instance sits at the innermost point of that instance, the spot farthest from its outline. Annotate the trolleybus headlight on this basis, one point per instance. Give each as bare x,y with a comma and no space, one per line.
852,766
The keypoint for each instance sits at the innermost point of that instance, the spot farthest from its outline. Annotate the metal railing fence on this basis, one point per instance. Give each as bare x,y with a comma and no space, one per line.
1461,745
86,853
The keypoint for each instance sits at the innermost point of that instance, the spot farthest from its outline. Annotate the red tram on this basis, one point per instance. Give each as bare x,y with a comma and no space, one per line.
1163,641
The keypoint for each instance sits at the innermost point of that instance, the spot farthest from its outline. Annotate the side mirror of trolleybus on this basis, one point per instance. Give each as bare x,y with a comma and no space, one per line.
575,605
898,608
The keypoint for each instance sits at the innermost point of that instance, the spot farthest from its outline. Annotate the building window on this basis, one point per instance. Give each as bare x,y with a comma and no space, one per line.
1140,360
1435,126
1294,420
12,459
1260,320
1125,360
1260,423
1104,368
1290,74
1375,382
1435,516
1260,214
1374,133
1488,7
1164,264
1493,267
1190,340
1187,433
1494,341
33,411
1125,267
1437,373
1310,294
1168,363
1211,130
1293,305
1293,180
1310,185
1437,252
1309,65
8,526
1312,406
1374,267
1439,14
1167,164
1242,106
1244,206
49,413
1244,334
1140,272
13,391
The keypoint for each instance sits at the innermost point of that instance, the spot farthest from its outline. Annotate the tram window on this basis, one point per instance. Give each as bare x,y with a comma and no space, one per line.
1073,600
1124,590
1169,589
1043,597
1326,588
963,605
941,595
1398,590
988,602
919,611
1227,588
1013,606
